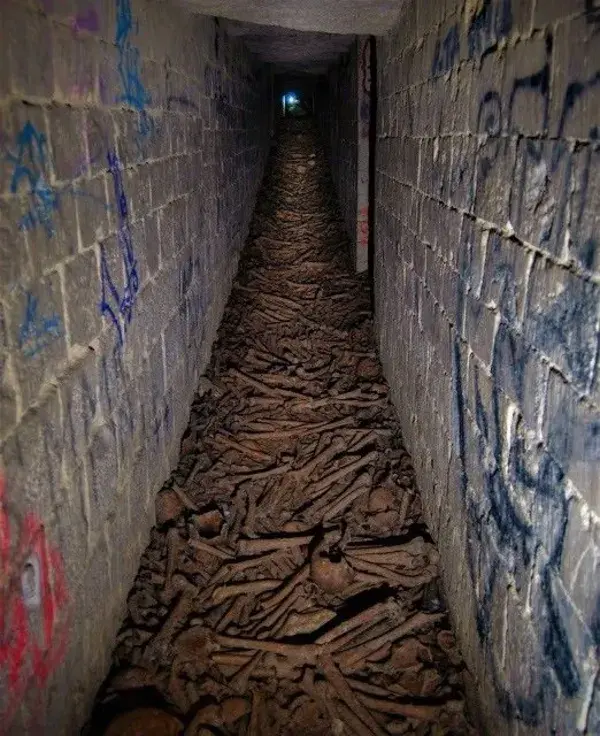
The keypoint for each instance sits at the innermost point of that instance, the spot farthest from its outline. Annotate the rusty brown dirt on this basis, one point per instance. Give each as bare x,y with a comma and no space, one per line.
290,585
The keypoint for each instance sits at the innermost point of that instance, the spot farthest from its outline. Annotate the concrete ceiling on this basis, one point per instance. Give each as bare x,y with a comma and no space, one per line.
289,50
324,16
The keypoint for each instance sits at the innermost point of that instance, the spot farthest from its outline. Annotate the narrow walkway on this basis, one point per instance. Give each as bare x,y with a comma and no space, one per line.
290,586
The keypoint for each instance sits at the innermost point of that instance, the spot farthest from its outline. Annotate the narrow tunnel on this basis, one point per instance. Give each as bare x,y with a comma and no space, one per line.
299,385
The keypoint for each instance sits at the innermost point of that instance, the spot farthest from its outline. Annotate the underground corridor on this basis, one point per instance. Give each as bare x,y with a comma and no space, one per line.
299,382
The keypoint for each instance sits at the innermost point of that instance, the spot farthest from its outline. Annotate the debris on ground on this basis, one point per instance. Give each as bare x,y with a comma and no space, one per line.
290,585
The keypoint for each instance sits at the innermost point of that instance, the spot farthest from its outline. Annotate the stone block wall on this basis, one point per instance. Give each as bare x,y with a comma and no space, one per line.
133,139
487,290
344,115
337,116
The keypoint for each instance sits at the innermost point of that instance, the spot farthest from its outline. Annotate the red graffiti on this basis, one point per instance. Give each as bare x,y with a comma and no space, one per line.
363,226
31,581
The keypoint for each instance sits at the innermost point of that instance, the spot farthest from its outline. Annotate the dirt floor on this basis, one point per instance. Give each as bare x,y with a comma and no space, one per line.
290,585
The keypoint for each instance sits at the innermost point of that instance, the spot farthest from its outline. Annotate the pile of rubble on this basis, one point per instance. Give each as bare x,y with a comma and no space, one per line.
290,585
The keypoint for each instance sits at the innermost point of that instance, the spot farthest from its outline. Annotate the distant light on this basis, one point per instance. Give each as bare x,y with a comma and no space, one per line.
292,99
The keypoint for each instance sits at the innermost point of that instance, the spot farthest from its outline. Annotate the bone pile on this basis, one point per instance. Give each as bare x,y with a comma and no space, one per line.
290,585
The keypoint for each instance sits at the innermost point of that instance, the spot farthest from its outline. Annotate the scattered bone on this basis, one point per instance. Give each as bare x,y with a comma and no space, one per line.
258,546
132,678
278,613
329,480
168,506
149,721
257,586
331,574
288,587
239,683
279,597
210,715
233,709
208,523
303,652
184,498
307,623
346,499
364,619
212,550
415,623
408,710
381,499
395,579
344,692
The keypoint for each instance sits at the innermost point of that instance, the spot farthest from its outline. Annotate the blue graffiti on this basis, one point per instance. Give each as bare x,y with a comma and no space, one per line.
134,92
446,52
566,331
30,165
517,525
566,171
489,25
36,331
503,538
118,307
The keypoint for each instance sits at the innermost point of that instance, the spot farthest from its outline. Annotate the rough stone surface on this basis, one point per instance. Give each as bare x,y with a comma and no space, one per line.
344,115
290,50
326,16
133,138
337,108
279,545
487,303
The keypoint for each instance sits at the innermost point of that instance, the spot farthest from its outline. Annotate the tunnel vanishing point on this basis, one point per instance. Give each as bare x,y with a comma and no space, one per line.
299,367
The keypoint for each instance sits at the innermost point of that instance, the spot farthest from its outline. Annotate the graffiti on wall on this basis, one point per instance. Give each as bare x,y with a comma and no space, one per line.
134,92
446,52
37,330
29,164
30,173
503,537
490,24
551,177
117,302
33,608
486,26
517,518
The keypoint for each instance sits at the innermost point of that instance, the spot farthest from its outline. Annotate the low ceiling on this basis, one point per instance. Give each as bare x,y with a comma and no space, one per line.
289,50
369,17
